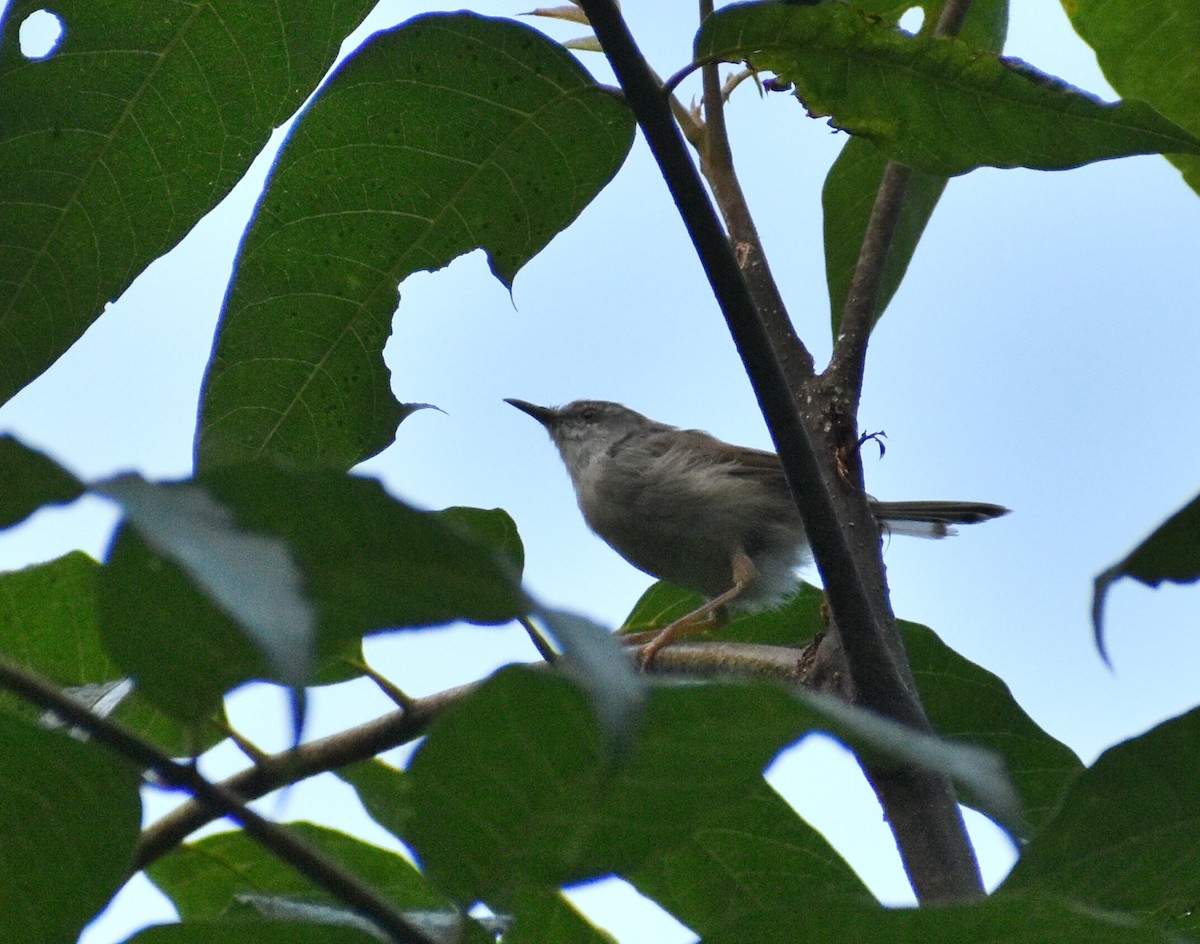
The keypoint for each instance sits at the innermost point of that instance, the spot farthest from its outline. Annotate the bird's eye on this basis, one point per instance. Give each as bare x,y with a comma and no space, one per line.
587,414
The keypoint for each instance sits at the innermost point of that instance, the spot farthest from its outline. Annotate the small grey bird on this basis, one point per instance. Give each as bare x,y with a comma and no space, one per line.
687,508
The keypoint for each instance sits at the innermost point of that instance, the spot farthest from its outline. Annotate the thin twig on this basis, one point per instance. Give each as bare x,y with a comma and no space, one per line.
307,760
255,753
848,363
846,367
314,866
540,642
399,697
716,163
402,727
674,81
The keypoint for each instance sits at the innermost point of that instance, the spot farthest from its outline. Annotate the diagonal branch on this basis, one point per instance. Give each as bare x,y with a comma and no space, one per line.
314,866
279,770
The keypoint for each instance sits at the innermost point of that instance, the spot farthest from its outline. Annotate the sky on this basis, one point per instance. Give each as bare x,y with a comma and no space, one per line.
1040,354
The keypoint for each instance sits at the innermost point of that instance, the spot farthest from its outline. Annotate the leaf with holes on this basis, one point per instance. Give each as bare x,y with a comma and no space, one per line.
937,105
449,133
112,148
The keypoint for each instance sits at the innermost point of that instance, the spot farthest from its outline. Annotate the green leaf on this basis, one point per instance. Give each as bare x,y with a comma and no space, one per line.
968,704
114,147
965,702
250,575
1127,836
937,105
985,26
49,624
853,181
792,624
544,917
448,133
492,528
368,563
751,850
251,932
1141,46
69,819
31,480
504,790
1014,920
182,651
847,200
204,878
1171,553
596,659
384,792
565,814
48,621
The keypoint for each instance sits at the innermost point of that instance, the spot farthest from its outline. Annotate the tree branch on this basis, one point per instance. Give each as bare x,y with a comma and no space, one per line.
219,800
716,164
834,558
845,371
921,808
795,666
307,760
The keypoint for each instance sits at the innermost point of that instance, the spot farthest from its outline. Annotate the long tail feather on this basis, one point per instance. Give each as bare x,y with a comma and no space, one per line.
932,519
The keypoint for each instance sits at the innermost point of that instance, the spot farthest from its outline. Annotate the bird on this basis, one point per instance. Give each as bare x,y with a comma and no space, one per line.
703,514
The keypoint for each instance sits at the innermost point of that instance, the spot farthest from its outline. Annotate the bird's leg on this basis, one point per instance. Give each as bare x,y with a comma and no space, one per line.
703,617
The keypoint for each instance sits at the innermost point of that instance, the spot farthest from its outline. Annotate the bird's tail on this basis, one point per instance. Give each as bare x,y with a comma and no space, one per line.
932,519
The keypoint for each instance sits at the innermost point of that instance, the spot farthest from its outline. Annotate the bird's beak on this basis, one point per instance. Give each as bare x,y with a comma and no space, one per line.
543,414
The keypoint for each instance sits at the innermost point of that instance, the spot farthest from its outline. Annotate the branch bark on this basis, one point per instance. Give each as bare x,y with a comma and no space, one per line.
827,488
218,800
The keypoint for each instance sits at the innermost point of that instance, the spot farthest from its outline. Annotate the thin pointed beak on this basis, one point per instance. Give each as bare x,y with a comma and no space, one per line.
543,414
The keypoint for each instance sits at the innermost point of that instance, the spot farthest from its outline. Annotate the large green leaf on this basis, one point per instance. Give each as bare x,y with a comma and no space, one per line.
1146,49
792,624
1127,836
513,788
203,878
69,819
967,703
367,563
250,575
113,147
252,932
1026,919
964,701
448,133
937,105
1171,553
31,480
49,624
751,849
231,875
846,203
545,917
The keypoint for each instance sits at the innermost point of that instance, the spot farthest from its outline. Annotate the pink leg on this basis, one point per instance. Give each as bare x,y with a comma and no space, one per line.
744,573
